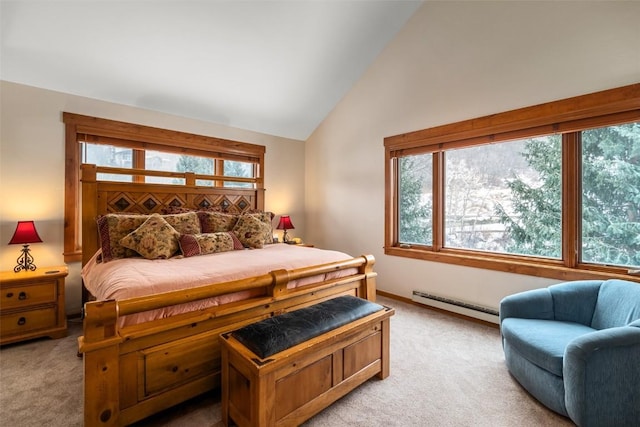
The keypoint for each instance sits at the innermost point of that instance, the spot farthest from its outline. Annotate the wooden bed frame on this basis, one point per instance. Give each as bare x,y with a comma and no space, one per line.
135,371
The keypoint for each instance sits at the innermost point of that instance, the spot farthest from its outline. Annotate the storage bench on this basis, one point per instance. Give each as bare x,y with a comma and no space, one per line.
283,370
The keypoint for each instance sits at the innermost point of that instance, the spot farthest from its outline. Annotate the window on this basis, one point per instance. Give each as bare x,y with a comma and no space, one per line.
415,199
239,169
505,197
129,146
173,162
107,155
550,190
610,205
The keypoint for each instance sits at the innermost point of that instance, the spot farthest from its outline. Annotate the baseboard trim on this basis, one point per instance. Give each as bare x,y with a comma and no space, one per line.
439,310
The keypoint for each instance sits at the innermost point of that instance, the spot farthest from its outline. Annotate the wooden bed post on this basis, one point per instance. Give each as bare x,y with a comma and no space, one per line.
89,212
101,348
280,281
88,217
368,287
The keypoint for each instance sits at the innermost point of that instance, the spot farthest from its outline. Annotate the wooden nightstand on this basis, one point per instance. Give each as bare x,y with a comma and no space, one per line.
32,304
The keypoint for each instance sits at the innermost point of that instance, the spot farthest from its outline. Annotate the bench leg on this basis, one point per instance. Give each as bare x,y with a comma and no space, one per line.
386,335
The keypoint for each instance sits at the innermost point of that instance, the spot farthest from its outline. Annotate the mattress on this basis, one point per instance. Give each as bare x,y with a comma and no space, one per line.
134,277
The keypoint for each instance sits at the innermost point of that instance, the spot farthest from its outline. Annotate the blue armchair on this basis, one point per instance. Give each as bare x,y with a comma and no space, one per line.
575,347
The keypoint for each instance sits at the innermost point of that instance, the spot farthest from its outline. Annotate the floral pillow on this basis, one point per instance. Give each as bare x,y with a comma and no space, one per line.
154,239
252,231
112,228
184,223
267,218
170,210
214,222
208,243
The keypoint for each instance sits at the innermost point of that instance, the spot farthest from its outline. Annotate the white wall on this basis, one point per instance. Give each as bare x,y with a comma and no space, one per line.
32,168
455,61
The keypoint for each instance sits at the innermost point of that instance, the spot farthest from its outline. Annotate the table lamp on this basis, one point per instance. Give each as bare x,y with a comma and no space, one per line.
24,235
285,224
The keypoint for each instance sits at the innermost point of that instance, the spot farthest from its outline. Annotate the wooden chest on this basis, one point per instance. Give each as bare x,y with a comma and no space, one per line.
291,386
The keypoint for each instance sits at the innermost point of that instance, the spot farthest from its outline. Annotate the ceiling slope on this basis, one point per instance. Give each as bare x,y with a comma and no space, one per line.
276,67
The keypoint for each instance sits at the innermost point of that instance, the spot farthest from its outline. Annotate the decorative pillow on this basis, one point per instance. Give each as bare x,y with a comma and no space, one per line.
267,218
259,211
184,223
252,231
209,243
154,239
214,222
112,228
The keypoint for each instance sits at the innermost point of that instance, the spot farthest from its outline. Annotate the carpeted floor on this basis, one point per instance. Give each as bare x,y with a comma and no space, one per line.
445,371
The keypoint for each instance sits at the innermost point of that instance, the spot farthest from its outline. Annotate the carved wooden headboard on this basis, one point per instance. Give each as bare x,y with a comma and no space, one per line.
102,197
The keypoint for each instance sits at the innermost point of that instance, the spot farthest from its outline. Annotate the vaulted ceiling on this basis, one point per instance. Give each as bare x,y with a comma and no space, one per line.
277,67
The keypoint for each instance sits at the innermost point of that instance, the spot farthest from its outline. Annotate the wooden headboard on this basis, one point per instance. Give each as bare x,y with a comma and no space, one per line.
102,197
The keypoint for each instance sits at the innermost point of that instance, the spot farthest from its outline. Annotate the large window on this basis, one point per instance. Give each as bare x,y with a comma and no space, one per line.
611,195
129,146
505,198
550,190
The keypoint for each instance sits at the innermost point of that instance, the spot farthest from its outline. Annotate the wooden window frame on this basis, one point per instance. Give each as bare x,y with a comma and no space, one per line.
140,138
567,117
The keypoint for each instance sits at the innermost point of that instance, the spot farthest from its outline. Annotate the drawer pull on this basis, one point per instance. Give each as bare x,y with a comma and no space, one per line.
22,321
22,296
10,295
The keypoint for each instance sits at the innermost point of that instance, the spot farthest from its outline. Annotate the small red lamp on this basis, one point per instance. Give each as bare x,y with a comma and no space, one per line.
285,224
24,235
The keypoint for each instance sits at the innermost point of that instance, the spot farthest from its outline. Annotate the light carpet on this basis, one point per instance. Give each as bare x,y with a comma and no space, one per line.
445,371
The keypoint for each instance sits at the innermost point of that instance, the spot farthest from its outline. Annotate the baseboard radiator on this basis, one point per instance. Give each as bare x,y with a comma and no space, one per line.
460,307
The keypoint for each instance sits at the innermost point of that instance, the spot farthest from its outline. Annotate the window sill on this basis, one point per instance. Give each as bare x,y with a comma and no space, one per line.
547,269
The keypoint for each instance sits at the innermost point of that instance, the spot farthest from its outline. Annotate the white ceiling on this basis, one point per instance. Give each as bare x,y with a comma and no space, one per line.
277,67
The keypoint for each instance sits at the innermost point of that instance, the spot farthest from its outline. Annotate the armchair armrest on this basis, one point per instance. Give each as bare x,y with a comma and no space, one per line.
601,373
533,304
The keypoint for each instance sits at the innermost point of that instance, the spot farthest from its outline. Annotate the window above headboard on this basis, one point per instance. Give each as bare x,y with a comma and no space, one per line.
127,145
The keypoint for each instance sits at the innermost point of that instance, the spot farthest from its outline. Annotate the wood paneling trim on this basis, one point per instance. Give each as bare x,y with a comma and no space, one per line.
516,265
134,132
539,118
571,200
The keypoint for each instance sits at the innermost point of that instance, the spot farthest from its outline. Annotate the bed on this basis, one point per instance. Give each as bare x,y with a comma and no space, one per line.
145,351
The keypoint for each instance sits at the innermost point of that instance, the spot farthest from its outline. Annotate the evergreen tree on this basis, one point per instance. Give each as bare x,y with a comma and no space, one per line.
610,198
535,228
414,213
611,195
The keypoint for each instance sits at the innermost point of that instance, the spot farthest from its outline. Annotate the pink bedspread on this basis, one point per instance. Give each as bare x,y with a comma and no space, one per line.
132,277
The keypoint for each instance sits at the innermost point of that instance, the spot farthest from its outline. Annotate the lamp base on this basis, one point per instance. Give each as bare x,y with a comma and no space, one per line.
25,261
285,238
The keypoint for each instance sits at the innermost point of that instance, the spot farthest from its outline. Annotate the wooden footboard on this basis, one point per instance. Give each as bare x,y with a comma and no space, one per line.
135,371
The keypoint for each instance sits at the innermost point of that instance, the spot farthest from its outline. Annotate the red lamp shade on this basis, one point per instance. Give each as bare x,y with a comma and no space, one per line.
285,223
25,233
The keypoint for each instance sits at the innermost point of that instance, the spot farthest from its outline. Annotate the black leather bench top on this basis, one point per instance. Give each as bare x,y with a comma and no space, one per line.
275,334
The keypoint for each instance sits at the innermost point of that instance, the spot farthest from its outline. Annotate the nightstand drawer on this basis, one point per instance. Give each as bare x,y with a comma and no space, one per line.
26,321
22,296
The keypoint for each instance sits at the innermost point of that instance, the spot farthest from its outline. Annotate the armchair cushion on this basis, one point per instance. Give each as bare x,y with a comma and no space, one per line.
542,342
